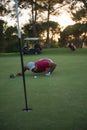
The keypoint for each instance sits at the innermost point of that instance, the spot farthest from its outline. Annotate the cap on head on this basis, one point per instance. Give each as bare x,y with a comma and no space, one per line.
31,65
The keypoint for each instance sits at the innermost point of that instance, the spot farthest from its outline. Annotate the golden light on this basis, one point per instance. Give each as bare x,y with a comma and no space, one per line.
64,19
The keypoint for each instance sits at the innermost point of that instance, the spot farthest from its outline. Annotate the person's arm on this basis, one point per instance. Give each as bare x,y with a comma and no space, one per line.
52,66
20,73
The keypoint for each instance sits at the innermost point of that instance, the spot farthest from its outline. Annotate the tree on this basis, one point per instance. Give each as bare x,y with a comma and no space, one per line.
11,39
2,35
39,6
3,9
41,29
78,9
48,6
75,34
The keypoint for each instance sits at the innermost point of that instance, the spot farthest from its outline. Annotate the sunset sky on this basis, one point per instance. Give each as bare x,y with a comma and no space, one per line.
63,19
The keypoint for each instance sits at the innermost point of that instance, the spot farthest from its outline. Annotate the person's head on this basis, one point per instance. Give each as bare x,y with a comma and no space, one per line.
31,65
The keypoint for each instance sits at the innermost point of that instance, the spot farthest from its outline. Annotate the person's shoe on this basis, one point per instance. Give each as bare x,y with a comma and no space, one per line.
47,74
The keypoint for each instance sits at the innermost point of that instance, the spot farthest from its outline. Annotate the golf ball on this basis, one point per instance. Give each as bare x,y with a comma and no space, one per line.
35,77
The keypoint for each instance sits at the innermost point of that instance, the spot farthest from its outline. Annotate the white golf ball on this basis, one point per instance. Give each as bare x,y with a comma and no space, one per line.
35,77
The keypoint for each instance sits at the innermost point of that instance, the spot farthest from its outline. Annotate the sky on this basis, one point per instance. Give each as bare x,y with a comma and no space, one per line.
63,20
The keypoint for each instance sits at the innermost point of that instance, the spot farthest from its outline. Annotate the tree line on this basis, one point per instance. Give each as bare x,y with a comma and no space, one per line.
49,32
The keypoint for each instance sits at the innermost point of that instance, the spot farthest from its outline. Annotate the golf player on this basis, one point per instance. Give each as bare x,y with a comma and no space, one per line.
43,65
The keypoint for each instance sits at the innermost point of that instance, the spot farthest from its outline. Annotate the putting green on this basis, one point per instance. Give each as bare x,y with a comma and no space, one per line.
58,102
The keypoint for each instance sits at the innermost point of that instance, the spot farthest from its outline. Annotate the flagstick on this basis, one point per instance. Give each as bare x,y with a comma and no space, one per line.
21,55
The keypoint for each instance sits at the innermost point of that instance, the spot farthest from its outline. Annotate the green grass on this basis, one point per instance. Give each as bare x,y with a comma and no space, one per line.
58,102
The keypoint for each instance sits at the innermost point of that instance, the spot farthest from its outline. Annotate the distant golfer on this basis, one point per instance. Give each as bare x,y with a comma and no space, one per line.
42,65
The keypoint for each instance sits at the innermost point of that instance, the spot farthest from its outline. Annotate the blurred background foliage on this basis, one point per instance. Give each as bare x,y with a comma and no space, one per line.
51,33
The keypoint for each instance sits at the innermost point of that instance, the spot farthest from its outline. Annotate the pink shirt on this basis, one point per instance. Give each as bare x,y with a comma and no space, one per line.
42,65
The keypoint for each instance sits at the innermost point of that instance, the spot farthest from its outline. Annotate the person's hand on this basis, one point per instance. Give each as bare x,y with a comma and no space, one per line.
19,74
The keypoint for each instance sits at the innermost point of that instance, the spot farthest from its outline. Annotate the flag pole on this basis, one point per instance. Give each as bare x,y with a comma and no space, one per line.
21,55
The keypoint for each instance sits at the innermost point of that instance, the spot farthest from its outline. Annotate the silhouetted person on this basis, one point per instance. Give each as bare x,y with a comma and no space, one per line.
71,47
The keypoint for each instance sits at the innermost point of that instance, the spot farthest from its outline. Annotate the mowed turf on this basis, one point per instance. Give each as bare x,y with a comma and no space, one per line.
58,102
